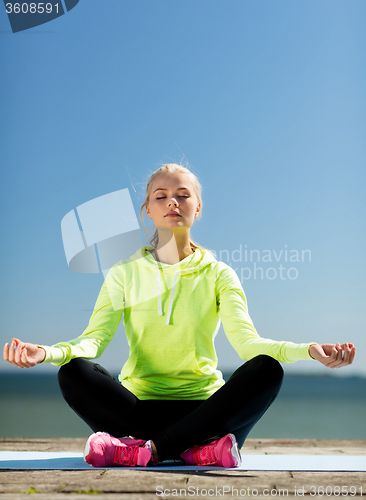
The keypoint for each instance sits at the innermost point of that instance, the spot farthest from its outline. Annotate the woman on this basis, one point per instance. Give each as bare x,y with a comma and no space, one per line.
171,402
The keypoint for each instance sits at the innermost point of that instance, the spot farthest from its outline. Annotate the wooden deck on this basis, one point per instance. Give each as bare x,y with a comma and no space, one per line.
147,485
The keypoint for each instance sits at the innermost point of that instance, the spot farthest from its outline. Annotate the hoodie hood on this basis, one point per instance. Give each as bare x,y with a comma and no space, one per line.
200,259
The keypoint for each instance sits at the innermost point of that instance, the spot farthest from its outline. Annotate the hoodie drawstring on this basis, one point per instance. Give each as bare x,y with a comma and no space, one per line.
171,295
159,292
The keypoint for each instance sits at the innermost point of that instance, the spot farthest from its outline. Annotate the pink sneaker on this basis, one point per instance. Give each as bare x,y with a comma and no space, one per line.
102,450
223,452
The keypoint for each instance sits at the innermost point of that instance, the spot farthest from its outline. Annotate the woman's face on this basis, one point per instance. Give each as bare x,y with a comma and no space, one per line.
172,192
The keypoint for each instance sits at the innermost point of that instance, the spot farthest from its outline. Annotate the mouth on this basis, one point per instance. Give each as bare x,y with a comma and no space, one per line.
172,215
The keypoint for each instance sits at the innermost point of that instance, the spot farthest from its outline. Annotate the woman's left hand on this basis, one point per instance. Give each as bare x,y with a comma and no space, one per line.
333,355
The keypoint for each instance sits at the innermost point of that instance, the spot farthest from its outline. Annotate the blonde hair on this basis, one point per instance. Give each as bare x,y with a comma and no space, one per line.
172,168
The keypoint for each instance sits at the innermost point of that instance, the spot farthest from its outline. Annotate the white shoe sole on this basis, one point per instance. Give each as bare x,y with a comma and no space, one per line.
235,450
87,444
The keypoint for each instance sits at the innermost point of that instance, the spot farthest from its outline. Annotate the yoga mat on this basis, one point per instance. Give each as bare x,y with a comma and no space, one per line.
32,460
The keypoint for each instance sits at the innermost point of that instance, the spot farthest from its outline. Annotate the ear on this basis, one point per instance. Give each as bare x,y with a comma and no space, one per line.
148,212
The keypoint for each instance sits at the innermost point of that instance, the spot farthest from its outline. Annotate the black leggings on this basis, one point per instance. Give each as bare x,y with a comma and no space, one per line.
173,425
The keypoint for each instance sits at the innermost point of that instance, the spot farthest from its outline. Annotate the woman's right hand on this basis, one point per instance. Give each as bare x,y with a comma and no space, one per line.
23,354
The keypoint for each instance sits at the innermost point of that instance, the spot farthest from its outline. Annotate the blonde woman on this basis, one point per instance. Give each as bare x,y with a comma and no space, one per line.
171,402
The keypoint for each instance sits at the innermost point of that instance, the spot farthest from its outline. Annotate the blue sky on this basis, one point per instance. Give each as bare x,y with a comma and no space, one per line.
265,101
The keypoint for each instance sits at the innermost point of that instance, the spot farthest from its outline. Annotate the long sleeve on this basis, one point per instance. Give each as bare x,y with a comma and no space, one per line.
102,326
239,328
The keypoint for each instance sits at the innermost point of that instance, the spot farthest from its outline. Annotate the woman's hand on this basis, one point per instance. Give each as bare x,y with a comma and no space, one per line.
23,354
333,355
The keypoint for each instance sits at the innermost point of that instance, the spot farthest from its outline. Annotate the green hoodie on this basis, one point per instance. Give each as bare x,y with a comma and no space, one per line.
172,314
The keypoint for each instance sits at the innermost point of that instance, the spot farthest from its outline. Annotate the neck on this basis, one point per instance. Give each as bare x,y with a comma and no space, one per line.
171,249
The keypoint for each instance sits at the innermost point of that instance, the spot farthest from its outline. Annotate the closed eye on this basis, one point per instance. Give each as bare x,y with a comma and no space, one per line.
165,197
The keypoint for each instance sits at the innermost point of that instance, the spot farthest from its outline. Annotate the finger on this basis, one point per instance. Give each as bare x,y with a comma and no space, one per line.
352,355
18,344
333,357
22,357
339,360
11,352
336,357
345,344
349,356
349,350
18,355
17,351
346,355
17,361
6,352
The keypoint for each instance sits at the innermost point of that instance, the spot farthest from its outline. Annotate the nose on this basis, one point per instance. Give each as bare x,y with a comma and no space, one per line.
175,203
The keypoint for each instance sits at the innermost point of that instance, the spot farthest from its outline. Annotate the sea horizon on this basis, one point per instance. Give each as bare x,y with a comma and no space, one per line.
307,407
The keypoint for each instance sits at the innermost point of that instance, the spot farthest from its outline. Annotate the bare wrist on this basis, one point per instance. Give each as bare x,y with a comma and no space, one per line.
310,346
44,353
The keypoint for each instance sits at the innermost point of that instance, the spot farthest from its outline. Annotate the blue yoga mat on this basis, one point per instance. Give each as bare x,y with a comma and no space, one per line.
33,460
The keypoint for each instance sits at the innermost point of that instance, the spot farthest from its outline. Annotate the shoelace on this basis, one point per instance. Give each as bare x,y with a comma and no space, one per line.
126,455
204,455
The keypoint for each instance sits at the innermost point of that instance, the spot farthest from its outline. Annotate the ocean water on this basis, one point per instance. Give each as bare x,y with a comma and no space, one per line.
311,407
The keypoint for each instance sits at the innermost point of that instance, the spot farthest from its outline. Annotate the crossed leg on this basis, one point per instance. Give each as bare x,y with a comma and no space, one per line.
173,426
